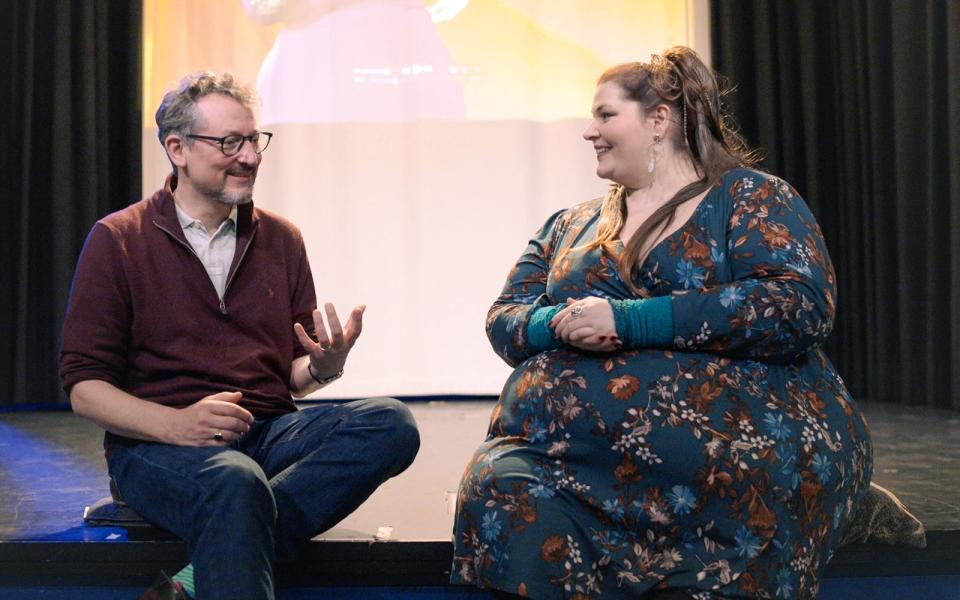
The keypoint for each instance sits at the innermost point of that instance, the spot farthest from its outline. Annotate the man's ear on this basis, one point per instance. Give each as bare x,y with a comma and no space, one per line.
175,145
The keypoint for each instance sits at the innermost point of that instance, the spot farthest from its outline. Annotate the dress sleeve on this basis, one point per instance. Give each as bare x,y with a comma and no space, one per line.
781,300
523,293
96,327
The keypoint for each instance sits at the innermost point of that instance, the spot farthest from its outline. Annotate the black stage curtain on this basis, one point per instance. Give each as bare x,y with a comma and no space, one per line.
70,140
857,104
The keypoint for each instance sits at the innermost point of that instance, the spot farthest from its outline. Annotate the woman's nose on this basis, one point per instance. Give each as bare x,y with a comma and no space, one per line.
590,133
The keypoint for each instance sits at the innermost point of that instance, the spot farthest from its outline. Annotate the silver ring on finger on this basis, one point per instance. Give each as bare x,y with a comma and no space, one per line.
575,312
218,436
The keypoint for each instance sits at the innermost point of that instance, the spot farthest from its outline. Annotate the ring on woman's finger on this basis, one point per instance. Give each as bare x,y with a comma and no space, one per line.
218,436
576,311
324,348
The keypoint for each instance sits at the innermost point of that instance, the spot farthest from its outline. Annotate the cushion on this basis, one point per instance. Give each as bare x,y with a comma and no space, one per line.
112,511
882,518
106,512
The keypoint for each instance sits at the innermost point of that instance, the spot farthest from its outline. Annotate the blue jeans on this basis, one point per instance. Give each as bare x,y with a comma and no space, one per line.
241,508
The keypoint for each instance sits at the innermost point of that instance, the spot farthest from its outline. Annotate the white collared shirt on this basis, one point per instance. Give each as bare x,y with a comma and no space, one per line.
214,251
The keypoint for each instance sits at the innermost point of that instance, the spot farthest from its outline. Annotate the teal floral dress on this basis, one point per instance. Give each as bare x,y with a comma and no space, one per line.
724,466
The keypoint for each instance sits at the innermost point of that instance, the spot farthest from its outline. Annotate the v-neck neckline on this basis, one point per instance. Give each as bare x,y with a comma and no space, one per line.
621,245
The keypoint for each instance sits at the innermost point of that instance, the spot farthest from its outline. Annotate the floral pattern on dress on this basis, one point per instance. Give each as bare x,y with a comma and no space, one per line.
725,465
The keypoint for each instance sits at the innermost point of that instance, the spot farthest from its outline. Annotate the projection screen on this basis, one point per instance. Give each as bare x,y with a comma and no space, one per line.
418,144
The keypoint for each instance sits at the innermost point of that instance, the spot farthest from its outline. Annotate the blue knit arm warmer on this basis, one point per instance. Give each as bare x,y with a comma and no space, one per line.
539,335
644,323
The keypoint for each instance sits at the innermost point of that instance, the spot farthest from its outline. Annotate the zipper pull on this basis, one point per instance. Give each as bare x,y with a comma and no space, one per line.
223,307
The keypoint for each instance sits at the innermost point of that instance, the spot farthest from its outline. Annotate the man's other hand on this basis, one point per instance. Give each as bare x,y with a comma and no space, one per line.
216,420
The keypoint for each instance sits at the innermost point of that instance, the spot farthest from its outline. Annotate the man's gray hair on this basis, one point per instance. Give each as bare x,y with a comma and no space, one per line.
177,112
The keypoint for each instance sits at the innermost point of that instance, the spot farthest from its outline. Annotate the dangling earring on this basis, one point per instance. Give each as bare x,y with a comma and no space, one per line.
686,138
655,149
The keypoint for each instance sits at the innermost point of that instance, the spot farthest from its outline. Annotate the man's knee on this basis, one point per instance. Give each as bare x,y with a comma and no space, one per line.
399,429
236,482
407,433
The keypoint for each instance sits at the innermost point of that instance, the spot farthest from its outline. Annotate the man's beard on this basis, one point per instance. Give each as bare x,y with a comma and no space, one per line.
233,198
221,196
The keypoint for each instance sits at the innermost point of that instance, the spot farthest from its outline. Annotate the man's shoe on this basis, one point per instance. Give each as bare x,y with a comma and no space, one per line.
165,589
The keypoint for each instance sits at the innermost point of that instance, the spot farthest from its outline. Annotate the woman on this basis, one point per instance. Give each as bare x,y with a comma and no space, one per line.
672,427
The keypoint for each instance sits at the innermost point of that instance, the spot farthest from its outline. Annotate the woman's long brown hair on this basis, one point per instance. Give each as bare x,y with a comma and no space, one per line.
680,80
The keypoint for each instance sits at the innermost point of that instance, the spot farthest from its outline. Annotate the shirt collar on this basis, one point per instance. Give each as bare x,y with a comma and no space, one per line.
186,221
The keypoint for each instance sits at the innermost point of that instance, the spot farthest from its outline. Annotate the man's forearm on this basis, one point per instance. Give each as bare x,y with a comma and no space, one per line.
303,381
121,413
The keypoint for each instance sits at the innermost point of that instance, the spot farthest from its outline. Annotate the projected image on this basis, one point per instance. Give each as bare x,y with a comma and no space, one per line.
358,60
416,143
317,61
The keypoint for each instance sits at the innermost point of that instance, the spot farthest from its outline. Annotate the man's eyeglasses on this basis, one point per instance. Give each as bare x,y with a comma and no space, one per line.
231,144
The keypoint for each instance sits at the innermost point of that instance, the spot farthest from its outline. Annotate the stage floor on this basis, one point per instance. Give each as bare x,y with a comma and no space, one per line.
51,466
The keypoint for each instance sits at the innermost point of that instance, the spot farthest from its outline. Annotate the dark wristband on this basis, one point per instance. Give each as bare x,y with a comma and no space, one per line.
323,380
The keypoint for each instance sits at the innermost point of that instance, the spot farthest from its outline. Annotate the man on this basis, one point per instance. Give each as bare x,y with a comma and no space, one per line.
191,322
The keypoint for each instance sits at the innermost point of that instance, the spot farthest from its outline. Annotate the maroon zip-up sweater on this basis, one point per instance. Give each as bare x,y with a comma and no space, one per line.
144,316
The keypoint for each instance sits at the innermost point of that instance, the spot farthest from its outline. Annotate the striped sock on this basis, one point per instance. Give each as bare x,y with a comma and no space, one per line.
185,578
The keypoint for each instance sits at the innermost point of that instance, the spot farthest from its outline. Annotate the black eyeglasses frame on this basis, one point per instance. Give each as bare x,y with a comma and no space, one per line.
253,138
